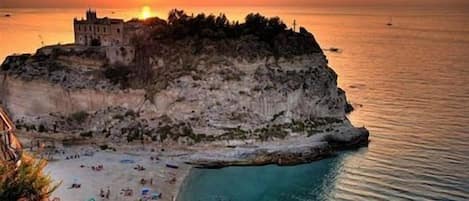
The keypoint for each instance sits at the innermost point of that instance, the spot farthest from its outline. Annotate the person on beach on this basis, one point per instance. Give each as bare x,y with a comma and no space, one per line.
108,193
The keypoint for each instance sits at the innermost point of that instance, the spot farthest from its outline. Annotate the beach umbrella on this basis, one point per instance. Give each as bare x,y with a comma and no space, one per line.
145,191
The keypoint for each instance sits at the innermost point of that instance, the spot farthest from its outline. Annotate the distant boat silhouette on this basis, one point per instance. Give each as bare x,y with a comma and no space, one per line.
7,15
390,22
333,49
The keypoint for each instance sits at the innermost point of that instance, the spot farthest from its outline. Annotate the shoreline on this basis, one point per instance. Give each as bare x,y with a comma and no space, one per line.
183,184
169,182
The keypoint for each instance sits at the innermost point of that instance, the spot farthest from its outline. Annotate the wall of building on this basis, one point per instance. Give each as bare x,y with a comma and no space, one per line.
111,33
107,34
104,31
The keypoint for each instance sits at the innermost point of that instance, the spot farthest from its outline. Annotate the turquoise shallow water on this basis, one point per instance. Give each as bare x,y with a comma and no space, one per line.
265,183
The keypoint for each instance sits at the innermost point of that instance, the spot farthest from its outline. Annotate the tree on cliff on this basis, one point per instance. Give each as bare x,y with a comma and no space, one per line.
25,182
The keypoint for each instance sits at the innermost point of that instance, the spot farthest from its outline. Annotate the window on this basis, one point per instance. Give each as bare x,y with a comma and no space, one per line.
118,30
104,29
89,28
79,28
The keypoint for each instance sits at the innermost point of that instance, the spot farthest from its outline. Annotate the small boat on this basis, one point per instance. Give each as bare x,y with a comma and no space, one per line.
7,15
334,49
172,166
390,22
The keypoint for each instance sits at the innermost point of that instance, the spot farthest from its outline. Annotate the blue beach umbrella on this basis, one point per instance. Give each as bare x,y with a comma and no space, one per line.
145,191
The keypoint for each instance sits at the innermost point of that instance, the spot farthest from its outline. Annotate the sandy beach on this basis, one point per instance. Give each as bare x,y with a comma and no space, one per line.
118,173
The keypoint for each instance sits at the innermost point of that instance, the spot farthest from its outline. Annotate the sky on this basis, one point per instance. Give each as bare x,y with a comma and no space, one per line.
138,3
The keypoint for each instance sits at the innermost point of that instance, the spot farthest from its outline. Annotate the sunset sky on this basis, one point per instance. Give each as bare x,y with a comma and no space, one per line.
136,3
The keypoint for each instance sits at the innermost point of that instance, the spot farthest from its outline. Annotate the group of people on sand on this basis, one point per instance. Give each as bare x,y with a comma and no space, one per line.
156,158
127,192
143,181
72,157
139,168
105,194
97,168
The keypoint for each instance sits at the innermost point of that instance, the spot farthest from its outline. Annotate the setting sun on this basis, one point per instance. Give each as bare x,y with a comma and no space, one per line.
146,12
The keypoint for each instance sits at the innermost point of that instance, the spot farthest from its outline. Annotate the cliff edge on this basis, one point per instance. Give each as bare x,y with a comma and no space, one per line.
233,93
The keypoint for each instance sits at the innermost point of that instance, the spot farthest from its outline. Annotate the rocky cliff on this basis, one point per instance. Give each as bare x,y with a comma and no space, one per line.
190,90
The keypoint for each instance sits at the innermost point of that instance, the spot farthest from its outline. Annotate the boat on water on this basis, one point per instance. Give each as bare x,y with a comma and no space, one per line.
7,15
390,22
333,49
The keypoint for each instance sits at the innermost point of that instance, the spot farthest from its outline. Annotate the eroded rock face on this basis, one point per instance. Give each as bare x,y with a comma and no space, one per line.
216,99
257,93
191,92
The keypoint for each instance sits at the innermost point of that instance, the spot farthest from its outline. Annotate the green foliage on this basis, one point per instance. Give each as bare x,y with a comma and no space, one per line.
79,117
42,129
119,74
131,113
88,134
257,28
26,181
181,25
104,147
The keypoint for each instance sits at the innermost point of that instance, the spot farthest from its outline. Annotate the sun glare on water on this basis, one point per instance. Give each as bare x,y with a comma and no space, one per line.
146,12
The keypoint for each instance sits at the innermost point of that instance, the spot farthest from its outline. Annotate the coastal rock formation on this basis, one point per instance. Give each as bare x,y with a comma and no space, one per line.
269,89
286,152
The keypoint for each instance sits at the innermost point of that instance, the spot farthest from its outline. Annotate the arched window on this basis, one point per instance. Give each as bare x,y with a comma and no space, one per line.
118,30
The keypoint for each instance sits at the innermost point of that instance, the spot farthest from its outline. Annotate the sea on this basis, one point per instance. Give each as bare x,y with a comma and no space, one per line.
409,84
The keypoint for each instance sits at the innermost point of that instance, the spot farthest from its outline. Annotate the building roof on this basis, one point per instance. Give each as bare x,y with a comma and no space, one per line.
103,21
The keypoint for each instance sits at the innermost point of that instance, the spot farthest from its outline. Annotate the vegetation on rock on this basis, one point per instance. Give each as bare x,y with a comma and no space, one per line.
26,182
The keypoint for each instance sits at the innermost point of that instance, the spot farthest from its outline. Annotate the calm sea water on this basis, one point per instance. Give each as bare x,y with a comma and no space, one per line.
411,79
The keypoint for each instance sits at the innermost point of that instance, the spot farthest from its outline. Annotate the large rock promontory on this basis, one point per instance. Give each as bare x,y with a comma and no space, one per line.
255,93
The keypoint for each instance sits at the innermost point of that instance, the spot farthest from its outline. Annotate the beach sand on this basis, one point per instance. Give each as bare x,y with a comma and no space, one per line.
115,175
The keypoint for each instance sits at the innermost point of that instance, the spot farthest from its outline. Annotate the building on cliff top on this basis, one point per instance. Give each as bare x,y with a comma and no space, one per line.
96,31
112,35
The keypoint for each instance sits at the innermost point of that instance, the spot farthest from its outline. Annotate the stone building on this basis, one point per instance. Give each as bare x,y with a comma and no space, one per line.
96,31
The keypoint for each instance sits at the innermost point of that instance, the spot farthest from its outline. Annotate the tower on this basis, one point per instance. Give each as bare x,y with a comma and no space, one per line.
294,25
91,15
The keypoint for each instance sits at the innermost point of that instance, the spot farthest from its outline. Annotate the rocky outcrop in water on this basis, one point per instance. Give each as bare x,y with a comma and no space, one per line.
277,94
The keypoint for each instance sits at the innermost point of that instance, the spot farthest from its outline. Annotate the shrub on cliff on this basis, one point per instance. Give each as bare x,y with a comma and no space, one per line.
280,40
26,182
119,74
79,117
